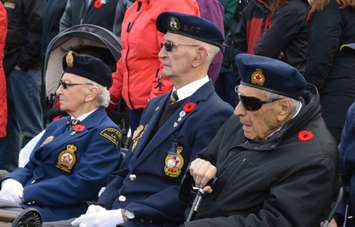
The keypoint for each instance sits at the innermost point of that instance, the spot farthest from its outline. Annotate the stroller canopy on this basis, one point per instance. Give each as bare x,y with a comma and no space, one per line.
83,38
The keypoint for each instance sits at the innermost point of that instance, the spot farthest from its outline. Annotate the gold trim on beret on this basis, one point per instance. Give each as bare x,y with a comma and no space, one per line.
258,77
70,59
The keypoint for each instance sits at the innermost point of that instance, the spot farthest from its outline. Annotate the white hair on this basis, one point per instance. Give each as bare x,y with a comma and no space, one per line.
295,104
103,98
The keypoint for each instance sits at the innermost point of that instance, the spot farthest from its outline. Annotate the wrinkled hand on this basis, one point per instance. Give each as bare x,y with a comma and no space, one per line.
12,191
105,218
94,208
202,171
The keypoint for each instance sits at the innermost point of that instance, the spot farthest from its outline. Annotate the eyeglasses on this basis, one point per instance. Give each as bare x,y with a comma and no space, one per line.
168,45
66,85
252,103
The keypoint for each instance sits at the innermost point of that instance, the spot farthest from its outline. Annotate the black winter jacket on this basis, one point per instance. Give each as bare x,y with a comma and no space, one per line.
332,70
286,181
283,34
23,43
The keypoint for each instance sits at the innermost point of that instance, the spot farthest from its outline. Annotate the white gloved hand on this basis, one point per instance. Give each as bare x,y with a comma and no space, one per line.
12,191
94,208
106,218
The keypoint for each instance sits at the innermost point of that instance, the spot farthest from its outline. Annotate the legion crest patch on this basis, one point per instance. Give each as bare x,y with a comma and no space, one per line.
112,134
70,59
258,78
67,158
174,162
174,24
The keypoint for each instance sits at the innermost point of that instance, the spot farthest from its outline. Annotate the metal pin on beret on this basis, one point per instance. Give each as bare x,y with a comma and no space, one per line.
271,75
87,66
190,26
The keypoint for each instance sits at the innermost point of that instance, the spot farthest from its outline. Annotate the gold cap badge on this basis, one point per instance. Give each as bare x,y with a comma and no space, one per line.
258,78
174,24
70,59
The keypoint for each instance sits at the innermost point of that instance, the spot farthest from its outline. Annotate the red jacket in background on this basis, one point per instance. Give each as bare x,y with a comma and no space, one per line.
3,99
138,77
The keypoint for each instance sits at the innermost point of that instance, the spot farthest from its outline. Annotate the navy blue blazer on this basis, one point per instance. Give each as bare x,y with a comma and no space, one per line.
149,184
67,168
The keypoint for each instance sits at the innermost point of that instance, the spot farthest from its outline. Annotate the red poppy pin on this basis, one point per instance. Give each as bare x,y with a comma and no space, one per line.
189,107
98,4
305,135
78,128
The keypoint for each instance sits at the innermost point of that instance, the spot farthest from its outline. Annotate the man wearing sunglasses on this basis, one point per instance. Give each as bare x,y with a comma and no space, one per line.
71,159
274,160
173,129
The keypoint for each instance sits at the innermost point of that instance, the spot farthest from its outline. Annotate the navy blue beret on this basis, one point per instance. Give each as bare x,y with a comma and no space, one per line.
271,75
190,26
89,67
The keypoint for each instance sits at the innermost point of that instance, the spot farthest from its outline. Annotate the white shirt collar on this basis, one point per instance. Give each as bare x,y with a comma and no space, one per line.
82,117
189,89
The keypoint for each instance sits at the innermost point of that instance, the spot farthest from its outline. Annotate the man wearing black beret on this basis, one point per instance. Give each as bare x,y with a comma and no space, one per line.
71,159
274,160
173,129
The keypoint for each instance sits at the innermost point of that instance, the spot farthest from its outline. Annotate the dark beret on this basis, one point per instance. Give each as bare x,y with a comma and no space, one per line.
190,26
271,75
89,67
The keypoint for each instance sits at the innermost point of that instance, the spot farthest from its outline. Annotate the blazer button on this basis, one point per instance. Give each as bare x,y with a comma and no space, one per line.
132,177
122,198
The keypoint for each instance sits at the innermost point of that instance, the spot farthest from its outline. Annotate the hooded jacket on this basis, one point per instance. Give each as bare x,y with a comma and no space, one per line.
138,76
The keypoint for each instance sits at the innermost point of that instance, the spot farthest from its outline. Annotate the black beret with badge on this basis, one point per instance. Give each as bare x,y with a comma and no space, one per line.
190,26
271,75
87,66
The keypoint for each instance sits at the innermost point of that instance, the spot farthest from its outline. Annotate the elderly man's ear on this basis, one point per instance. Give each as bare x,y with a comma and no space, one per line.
284,110
200,57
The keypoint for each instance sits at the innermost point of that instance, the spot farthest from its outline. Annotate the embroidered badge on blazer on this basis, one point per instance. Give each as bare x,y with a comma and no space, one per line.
137,134
67,158
174,162
112,134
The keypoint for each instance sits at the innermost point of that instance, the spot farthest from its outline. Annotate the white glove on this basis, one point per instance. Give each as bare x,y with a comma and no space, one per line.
106,218
12,191
94,208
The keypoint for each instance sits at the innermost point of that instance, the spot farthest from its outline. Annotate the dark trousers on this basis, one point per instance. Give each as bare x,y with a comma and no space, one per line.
134,118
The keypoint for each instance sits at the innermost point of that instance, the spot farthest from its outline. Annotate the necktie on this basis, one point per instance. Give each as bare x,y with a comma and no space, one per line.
72,122
174,97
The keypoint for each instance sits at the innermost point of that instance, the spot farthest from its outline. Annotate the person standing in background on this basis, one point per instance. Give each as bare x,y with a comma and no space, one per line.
22,65
103,13
330,63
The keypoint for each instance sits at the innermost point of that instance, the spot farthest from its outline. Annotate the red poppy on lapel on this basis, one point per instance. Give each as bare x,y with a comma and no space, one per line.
189,107
305,135
78,128
98,4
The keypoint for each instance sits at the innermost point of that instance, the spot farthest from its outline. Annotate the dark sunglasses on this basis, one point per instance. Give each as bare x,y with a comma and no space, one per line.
66,85
252,103
168,45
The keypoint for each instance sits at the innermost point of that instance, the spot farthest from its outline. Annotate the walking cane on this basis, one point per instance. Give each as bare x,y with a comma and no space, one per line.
333,210
196,203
